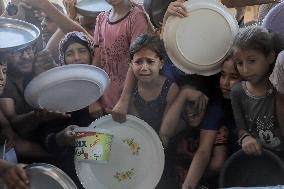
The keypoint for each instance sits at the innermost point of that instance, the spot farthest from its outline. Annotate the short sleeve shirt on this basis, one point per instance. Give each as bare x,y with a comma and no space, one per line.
114,39
257,116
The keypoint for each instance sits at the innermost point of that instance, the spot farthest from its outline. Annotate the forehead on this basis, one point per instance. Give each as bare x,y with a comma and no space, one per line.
145,52
246,52
74,46
229,67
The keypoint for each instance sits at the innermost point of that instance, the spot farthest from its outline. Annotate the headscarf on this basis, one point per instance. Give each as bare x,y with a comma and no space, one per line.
74,37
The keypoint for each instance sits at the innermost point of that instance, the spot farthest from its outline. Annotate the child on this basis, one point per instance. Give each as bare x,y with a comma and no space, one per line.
153,93
202,144
115,31
229,77
253,100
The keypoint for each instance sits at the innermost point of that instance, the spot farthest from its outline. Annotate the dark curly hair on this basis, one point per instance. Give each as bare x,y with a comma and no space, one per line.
152,42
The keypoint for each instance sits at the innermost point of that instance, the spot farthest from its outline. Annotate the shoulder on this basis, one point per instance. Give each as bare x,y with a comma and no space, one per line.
137,13
102,16
173,89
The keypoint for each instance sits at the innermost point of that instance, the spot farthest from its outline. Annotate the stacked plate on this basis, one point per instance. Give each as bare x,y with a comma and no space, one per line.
67,88
274,20
199,43
16,34
136,160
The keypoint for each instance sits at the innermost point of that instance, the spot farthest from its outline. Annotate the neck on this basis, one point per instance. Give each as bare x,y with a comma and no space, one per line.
120,10
259,89
150,85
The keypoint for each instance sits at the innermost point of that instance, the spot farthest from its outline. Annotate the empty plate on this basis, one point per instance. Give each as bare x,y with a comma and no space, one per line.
16,34
136,160
67,88
198,44
92,8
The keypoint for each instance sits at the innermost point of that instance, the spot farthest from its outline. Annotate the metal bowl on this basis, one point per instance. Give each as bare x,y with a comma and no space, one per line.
92,8
46,176
16,34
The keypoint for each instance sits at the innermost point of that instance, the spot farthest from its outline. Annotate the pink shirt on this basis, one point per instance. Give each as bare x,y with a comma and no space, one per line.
114,39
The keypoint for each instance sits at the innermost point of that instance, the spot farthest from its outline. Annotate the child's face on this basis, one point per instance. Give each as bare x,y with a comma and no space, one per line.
229,77
77,53
3,70
146,65
253,65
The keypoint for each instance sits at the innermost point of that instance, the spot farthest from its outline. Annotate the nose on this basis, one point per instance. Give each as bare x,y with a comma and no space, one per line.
77,56
245,68
144,66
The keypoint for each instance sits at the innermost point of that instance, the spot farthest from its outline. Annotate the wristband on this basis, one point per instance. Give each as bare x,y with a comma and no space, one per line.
240,141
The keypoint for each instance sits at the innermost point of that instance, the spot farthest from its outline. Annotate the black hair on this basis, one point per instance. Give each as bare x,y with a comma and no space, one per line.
152,42
259,39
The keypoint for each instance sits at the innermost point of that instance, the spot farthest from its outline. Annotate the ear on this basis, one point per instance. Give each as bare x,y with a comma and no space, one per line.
272,57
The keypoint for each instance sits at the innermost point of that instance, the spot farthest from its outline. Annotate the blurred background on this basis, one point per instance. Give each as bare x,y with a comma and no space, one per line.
250,15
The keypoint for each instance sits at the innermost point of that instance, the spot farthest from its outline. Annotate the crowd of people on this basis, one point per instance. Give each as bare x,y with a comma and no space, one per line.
201,120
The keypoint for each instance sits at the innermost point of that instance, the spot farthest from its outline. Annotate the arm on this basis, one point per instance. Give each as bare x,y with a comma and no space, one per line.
7,131
121,108
64,23
242,3
172,117
201,158
53,44
97,58
28,121
248,143
171,96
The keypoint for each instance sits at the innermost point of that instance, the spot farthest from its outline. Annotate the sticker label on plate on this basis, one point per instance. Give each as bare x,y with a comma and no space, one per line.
93,146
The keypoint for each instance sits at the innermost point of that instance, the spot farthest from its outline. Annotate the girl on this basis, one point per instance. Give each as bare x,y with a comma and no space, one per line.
153,93
202,143
229,77
253,100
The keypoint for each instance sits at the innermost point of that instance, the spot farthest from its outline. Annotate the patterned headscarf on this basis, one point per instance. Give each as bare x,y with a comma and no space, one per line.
74,37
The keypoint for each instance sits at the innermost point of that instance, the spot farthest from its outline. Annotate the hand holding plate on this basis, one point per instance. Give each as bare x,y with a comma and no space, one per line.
66,137
70,8
176,8
119,111
15,176
96,109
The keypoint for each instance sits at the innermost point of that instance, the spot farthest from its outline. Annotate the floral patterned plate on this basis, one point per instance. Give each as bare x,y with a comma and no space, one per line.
136,159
